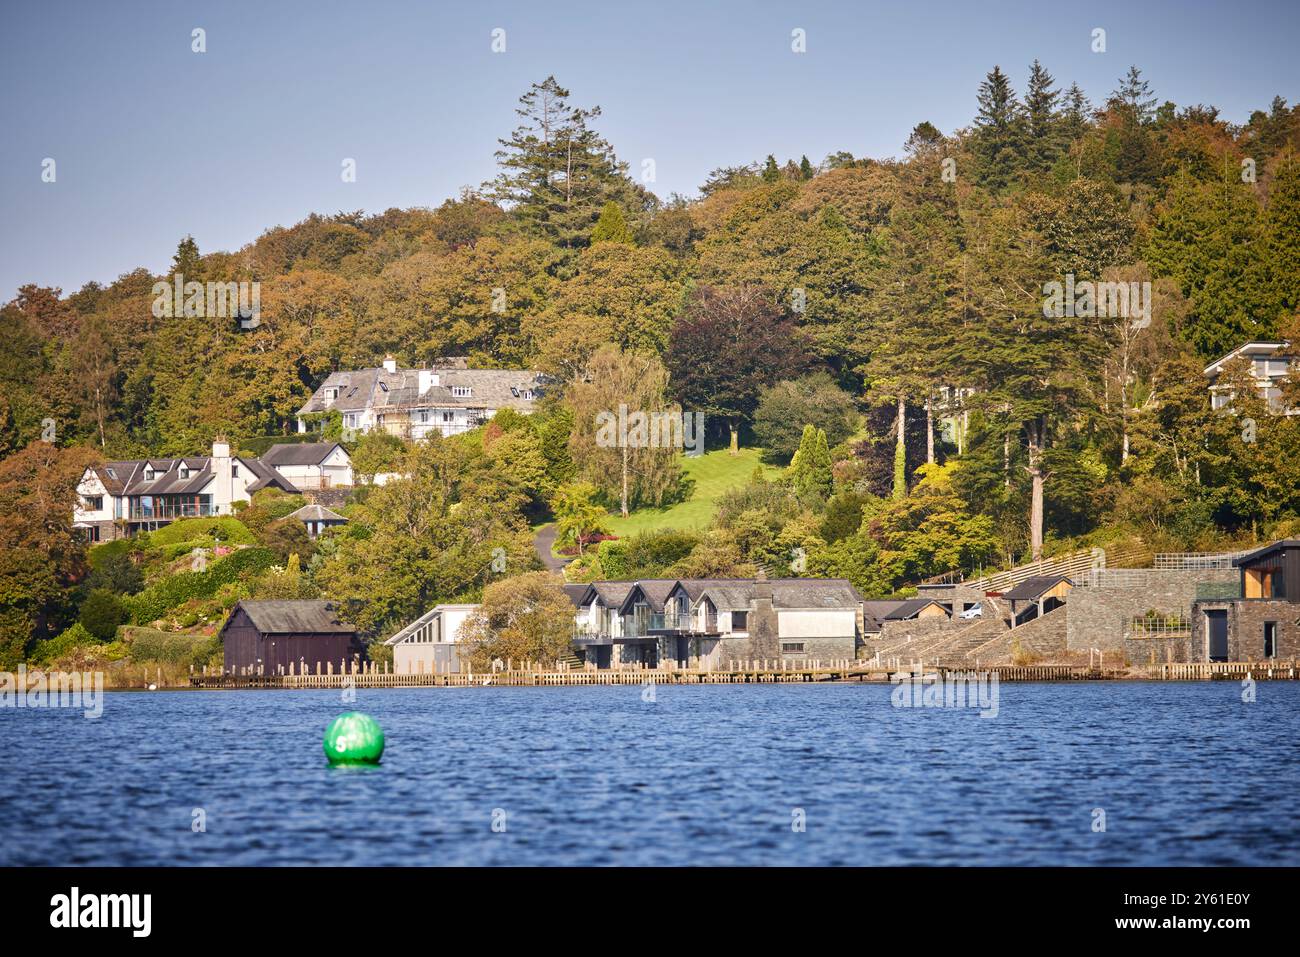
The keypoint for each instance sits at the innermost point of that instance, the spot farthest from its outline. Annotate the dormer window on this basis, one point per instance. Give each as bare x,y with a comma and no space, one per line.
148,475
461,391
184,472
527,393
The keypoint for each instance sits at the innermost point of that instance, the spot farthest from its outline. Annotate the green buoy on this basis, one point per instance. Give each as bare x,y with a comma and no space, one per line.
354,738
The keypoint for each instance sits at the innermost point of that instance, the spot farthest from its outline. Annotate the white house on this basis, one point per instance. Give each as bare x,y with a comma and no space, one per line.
429,644
117,499
1268,368
311,465
414,403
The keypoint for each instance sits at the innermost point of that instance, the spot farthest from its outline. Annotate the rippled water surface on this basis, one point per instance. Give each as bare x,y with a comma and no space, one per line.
1186,774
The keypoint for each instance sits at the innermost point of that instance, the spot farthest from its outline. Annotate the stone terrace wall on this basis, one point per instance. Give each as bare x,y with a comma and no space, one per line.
1098,616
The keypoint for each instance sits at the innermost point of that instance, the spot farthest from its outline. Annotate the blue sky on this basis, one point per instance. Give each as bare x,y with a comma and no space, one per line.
153,141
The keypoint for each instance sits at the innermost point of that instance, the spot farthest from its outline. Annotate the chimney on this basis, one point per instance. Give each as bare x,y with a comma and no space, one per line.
223,490
764,630
390,364
428,379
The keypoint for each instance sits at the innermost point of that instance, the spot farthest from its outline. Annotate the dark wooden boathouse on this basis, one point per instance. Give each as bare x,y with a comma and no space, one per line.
271,636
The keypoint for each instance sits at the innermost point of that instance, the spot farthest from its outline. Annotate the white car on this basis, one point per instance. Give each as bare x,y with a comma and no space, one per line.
974,611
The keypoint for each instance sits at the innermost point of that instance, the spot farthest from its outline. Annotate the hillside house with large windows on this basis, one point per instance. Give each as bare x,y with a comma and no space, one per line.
1268,367
118,499
415,403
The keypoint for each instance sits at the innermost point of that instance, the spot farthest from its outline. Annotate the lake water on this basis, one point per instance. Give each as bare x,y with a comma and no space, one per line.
1185,773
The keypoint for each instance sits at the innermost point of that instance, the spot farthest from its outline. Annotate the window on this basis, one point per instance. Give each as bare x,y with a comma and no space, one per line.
527,394
185,473
449,417
148,475
792,647
740,621
461,391
1270,639
93,502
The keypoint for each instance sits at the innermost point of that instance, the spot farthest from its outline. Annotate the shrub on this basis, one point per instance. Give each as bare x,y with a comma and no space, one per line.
107,551
166,647
155,601
117,573
269,505
286,537
646,555
785,408
43,652
227,530
102,612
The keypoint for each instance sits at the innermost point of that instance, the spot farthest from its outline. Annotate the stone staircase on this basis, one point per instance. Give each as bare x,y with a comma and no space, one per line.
1042,637
950,645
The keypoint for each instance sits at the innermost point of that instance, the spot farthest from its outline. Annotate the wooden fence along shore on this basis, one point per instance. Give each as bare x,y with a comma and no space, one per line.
528,674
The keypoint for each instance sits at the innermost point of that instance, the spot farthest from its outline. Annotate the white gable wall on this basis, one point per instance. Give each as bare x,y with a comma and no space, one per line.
819,623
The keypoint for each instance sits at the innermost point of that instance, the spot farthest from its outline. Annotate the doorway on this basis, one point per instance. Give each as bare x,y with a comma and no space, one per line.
1216,630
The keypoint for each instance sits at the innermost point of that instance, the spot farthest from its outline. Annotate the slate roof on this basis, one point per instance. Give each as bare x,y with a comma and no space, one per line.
266,475
317,513
655,591
909,609
611,594
1034,587
694,587
737,594
128,477
293,617
576,593
878,610
298,453
400,390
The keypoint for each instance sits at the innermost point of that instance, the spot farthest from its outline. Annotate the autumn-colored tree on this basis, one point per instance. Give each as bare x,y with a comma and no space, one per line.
522,618
727,345
621,419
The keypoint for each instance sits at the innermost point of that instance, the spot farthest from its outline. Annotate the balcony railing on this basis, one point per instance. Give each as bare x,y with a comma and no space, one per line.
681,621
168,510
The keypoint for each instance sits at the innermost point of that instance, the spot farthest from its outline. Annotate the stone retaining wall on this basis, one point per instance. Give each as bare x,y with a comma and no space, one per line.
1099,617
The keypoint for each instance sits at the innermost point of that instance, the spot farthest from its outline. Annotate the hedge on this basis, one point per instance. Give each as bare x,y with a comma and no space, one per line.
148,644
46,651
231,531
156,600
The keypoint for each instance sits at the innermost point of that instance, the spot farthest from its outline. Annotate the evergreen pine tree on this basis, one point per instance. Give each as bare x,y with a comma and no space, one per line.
1041,119
187,261
612,226
771,173
999,131
1135,93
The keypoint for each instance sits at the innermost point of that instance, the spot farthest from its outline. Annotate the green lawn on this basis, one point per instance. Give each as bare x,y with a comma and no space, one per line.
714,473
